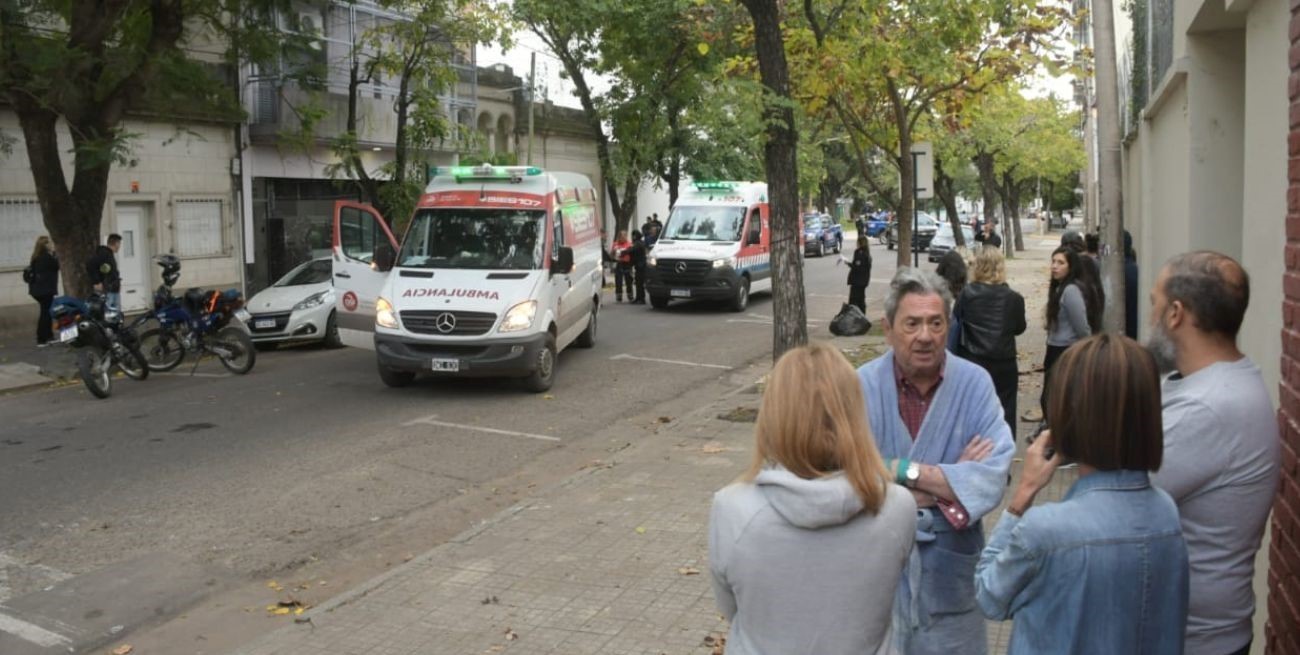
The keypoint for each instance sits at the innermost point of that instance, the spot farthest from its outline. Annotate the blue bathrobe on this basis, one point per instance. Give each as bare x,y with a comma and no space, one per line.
942,619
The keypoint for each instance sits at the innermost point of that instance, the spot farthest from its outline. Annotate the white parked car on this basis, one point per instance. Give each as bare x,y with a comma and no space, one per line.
299,307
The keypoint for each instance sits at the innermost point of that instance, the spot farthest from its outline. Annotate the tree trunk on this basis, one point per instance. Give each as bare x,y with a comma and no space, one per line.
675,153
906,180
990,190
943,185
789,324
1109,162
1013,209
369,187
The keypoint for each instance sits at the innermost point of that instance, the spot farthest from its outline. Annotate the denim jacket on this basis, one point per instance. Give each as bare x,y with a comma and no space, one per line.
1102,571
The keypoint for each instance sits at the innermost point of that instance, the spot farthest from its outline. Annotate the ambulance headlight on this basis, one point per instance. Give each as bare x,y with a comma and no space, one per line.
651,261
384,314
520,317
725,261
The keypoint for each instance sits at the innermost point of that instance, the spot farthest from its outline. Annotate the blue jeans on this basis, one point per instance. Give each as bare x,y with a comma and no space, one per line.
112,304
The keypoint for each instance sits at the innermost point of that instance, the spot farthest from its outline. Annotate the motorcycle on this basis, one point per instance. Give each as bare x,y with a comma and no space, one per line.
102,343
197,323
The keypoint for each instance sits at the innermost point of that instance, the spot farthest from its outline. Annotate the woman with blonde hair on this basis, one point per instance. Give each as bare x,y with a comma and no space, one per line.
991,316
807,548
42,278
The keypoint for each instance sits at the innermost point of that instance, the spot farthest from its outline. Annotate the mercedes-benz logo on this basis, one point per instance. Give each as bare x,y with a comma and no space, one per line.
681,267
446,322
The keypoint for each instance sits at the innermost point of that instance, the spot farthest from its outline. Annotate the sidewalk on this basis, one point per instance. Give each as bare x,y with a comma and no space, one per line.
24,366
611,561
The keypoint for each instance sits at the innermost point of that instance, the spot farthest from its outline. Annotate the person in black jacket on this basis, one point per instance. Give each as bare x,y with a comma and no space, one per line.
638,253
42,277
104,274
988,236
860,273
991,316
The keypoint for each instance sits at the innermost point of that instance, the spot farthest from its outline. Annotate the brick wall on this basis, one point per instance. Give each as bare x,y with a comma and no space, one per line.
1283,629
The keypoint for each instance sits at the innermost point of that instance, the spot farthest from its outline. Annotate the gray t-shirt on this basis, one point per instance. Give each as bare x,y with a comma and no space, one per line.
1221,468
1071,318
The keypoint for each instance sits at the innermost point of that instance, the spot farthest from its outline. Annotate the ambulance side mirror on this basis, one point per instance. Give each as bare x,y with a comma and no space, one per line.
384,258
563,265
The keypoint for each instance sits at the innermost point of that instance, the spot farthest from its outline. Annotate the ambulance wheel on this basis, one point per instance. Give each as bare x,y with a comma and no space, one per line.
395,378
659,302
741,301
821,248
543,376
588,337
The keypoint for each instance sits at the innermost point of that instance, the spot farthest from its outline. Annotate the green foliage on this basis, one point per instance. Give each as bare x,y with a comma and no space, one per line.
1138,77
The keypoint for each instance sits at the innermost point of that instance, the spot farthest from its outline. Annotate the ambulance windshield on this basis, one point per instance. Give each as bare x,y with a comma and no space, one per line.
475,238
705,223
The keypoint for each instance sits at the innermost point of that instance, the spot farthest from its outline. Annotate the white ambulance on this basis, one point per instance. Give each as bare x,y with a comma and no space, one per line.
716,245
499,271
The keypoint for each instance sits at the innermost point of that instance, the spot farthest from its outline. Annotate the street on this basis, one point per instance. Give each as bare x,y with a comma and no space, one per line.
310,469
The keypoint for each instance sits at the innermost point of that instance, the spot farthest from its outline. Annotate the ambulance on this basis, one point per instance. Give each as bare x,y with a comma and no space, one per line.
499,271
716,245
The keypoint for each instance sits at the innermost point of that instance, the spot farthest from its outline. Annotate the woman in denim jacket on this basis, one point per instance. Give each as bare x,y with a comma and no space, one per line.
1105,569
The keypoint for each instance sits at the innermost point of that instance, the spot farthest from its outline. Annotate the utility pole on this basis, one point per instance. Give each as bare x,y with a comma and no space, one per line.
1109,163
532,100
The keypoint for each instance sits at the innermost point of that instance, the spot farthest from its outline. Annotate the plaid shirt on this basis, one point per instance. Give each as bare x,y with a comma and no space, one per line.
912,408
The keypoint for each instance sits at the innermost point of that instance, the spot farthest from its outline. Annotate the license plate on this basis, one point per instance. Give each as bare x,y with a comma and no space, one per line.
680,293
68,334
446,365
243,315
263,323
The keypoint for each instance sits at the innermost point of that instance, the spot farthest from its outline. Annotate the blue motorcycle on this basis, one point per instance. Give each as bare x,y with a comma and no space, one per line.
101,342
197,323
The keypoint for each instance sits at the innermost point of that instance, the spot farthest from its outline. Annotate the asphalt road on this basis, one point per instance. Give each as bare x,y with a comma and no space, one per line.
187,495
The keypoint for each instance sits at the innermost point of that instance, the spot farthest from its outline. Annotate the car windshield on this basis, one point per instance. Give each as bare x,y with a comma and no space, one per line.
710,223
313,272
474,238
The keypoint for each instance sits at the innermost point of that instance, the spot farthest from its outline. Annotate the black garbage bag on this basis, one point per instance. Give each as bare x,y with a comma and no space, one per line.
850,322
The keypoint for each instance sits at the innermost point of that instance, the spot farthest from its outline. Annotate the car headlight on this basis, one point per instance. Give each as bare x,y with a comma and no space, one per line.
520,317
652,261
314,300
725,261
384,314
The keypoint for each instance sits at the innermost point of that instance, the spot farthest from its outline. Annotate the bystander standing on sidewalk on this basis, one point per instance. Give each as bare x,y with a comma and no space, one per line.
952,268
1221,442
991,315
42,277
622,265
807,548
938,420
104,275
1073,311
637,253
988,236
1105,569
859,272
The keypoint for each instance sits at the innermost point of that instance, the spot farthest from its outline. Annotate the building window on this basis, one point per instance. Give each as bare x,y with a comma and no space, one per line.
20,224
198,228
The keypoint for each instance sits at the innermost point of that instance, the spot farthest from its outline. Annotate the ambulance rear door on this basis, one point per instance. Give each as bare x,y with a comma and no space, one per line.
364,252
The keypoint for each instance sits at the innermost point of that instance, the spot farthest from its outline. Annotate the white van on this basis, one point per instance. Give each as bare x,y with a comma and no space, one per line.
499,271
716,245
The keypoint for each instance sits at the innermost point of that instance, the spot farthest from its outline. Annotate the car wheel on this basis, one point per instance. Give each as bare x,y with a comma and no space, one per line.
821,248
332,338
741,300
543,376
395,378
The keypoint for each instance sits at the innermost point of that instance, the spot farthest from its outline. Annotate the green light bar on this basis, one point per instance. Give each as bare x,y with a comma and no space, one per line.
487,172
704,186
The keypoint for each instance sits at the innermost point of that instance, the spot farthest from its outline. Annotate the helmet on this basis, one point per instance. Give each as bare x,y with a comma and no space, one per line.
171,268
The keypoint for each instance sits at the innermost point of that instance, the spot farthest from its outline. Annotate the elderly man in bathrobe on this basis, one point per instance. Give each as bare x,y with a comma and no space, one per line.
938,423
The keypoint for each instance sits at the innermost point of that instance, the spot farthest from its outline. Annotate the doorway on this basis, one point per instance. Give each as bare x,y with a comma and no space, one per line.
133,256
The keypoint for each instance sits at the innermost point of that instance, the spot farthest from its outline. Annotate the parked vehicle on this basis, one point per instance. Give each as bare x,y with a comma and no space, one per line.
716,245
499,272
198,323
102,344
944,240
298,308
874,225
926,227
821,233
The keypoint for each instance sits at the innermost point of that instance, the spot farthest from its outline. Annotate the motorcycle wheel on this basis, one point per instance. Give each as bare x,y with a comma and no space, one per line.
161,349
235,349
93,363
132,362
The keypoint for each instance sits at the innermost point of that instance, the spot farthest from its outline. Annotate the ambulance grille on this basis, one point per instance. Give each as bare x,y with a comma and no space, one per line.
466,324
671,271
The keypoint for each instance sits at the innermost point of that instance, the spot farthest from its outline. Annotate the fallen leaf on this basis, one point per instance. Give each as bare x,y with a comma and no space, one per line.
548,397
688,570
713,449
511,635
640,529
274,586
124,649
665,419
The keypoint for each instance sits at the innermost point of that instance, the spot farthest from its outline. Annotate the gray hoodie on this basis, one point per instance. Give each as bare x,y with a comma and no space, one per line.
798,567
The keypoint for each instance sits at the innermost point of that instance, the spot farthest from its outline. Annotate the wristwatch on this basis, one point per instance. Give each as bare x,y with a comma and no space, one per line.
913,474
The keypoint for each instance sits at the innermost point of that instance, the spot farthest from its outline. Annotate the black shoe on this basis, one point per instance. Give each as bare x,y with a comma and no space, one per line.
620,298
638,302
